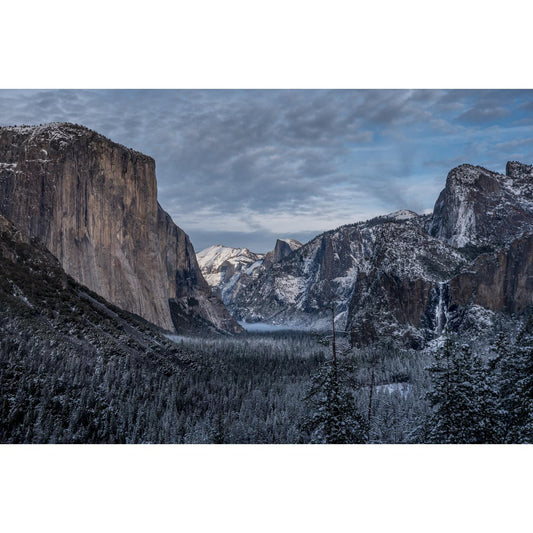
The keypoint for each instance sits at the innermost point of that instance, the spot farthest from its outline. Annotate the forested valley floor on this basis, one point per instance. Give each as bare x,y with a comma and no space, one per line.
226,390
263,388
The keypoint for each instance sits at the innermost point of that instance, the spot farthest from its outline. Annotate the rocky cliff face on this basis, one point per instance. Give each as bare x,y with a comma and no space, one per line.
498,281
283,248
403,275
399,295
44,305
93,203
363,269
479,207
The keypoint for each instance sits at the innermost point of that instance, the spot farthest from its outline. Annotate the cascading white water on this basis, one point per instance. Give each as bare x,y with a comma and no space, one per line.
440,312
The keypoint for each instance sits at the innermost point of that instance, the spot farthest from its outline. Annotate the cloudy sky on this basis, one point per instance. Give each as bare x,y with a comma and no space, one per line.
242,168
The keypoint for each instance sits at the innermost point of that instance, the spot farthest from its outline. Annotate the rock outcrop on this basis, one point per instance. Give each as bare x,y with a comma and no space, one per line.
407,276
498,281
481,208
93,203
283,248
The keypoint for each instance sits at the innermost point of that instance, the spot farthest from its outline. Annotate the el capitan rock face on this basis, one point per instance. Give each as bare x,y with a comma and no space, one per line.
42,304
93,203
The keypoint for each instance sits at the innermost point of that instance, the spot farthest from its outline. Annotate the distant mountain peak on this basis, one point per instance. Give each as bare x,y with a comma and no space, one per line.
293,243
223,266
515,169
402,214
404,275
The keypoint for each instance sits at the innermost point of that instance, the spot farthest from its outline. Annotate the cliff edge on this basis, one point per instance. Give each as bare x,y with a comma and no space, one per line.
93,204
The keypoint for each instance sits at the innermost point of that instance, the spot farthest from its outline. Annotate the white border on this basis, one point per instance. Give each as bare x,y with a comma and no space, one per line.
275,44
245,44
243,488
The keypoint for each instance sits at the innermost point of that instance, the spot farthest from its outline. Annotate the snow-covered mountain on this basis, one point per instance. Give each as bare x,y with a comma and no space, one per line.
229,270
283,248
350,267
479,207
405,275
223,266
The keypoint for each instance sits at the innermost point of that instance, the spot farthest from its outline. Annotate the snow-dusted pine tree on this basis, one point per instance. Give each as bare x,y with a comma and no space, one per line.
461,397
335,418
513,368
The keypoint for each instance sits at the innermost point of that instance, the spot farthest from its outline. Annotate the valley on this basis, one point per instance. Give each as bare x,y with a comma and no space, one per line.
402,275
113,330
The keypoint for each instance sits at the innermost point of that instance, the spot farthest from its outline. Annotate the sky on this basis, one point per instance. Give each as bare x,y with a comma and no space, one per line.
245,167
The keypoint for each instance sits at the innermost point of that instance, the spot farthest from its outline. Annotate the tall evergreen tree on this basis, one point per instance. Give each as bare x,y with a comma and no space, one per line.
525,383
335,418
462,400
513,366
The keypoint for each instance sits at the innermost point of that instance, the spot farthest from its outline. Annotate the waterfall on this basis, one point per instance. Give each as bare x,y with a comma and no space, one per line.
440,311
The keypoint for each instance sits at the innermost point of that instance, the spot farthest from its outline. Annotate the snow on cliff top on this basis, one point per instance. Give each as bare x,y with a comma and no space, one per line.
293,243
64,132
60,131
518,186
402,214
210,259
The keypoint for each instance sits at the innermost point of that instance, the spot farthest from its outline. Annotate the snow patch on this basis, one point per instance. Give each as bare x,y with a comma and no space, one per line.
287,288
403,389
465,225
403,214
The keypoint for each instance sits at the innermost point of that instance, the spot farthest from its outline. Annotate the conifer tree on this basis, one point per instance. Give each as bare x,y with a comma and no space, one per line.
463,405
525,383
513,366
335,418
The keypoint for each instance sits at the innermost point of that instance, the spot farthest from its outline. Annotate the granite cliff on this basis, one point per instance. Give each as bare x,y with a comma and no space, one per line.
93,204
45,308
498,281
282,249
403,275
479,207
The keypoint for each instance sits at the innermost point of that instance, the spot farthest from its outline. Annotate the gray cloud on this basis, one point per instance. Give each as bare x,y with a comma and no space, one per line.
252,158
482,114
